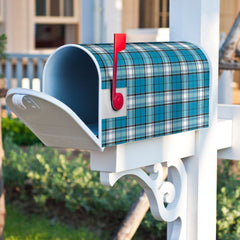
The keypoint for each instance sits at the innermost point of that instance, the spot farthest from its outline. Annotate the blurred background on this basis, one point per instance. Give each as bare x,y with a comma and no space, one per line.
35,28
51,194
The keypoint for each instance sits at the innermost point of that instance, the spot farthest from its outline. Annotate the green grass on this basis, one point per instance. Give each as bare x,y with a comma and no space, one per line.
21,227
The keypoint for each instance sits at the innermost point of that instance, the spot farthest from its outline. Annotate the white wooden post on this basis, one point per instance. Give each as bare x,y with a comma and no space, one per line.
225,94
225,81
197,21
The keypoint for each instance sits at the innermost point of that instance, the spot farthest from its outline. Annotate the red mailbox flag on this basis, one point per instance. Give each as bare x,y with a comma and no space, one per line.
119,45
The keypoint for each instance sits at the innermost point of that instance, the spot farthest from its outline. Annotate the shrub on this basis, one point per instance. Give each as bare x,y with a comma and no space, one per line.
228,207
3,41
55,177
19,132
67,179
64,178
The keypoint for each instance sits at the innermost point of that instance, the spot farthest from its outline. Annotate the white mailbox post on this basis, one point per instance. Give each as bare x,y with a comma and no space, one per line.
161,112
200,19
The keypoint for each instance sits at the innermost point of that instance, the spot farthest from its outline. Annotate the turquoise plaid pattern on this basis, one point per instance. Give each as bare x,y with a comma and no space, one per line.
167,89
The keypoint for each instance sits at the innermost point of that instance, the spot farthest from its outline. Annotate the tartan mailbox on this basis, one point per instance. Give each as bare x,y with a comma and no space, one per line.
132,105
164,90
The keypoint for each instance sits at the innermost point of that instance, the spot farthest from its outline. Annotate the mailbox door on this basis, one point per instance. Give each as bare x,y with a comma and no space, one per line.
53,122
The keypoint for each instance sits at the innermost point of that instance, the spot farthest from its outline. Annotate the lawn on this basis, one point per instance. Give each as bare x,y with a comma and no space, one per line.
21,227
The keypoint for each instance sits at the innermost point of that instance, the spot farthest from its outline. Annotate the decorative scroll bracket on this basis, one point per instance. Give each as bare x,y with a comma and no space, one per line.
168,199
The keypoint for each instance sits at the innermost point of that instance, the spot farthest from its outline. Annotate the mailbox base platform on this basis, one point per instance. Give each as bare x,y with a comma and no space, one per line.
144,153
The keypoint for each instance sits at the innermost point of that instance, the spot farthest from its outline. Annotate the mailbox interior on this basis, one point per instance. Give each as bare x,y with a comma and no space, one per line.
72,76
67,113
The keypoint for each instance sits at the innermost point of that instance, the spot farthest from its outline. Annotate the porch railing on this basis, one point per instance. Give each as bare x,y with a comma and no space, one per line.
22,70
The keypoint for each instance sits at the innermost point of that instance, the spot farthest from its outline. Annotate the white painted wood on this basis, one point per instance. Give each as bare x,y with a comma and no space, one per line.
107,110
224,134
197,21
143,153
225,87
98,8
159,192
148,35
87,22
231,112
222,39
53,122
111,21
52,64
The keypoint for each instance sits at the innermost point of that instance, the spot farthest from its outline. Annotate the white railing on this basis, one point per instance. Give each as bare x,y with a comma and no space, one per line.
22,70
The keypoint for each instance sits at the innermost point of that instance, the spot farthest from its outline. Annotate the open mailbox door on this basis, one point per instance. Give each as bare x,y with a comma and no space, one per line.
53,122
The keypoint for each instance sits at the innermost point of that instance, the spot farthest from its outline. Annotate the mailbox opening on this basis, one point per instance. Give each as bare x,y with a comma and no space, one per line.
71,76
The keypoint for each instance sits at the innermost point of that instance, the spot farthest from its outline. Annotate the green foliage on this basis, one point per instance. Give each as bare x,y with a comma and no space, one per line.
157,228
22,227
19,132
66,179
3,41
228,208
55,177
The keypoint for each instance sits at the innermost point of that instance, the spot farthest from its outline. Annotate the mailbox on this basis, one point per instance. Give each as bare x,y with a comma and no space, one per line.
164,89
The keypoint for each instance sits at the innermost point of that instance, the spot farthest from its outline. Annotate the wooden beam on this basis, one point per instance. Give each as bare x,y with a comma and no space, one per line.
133,218
229,65
135,215
237,51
